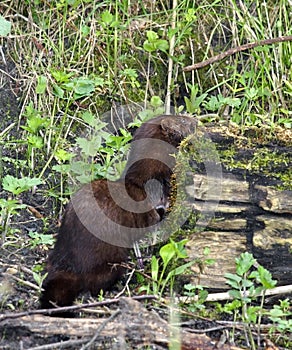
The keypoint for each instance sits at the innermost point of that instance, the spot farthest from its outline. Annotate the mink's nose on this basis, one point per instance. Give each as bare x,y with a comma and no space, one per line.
161,211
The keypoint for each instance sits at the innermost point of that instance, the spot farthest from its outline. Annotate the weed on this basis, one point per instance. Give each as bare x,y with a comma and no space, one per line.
280,315
164,269
17,186
194,102
9,207
40,239
39,278
249,282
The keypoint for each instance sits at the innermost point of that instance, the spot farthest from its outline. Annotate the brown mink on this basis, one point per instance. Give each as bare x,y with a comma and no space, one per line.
101,222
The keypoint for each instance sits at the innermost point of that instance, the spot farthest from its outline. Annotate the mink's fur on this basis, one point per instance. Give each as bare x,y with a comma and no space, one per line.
80,261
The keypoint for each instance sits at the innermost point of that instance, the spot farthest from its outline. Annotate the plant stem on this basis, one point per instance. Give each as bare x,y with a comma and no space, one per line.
170,60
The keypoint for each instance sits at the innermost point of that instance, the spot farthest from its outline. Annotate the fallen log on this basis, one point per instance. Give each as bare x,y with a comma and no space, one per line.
131,324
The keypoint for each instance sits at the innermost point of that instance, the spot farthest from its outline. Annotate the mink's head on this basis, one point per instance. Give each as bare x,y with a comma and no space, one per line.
169,128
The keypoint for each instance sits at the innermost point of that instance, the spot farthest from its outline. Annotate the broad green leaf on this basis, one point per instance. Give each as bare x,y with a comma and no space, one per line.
59,92
162,45
167,252
89,147
61,168
151,35
244,263
5,26
41,85
149,47
17,186
107,17
235,294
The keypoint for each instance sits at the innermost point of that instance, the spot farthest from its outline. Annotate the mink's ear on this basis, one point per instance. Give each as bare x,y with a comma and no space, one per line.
172,126
179,125
168,124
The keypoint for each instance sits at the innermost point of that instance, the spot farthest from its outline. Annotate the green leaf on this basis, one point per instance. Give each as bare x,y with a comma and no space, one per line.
98,81
235,294
244,263
61,168
107,17
162,45
63,156
89,118
89,147
17,186
35,123
276,313
80,86
149,47
190,15
41,85
59,92
234,305
153,43
156,101
35,141
5,26
233,277
180,248
246,283
11,205
31,112
252,313
84,86
265,278
167,252
61,76
38,239
212,104
85,30
181,269
251,93
151,35
93,121
154,268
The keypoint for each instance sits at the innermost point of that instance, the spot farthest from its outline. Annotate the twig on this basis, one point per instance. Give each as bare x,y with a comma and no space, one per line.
70,308
230,52
100,328
127,283
60,345
20,280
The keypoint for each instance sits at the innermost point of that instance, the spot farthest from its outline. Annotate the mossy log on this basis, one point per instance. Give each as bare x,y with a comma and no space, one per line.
254,214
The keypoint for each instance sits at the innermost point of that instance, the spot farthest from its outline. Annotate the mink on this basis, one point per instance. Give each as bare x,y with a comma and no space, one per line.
101,213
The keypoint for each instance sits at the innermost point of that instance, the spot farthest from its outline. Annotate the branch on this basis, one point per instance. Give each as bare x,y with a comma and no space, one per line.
230,52
56,310
226,296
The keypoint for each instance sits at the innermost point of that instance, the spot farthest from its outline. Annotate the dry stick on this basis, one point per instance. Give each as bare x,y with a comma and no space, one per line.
100,328
60,345
26,283
12,315
211,297
230,52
